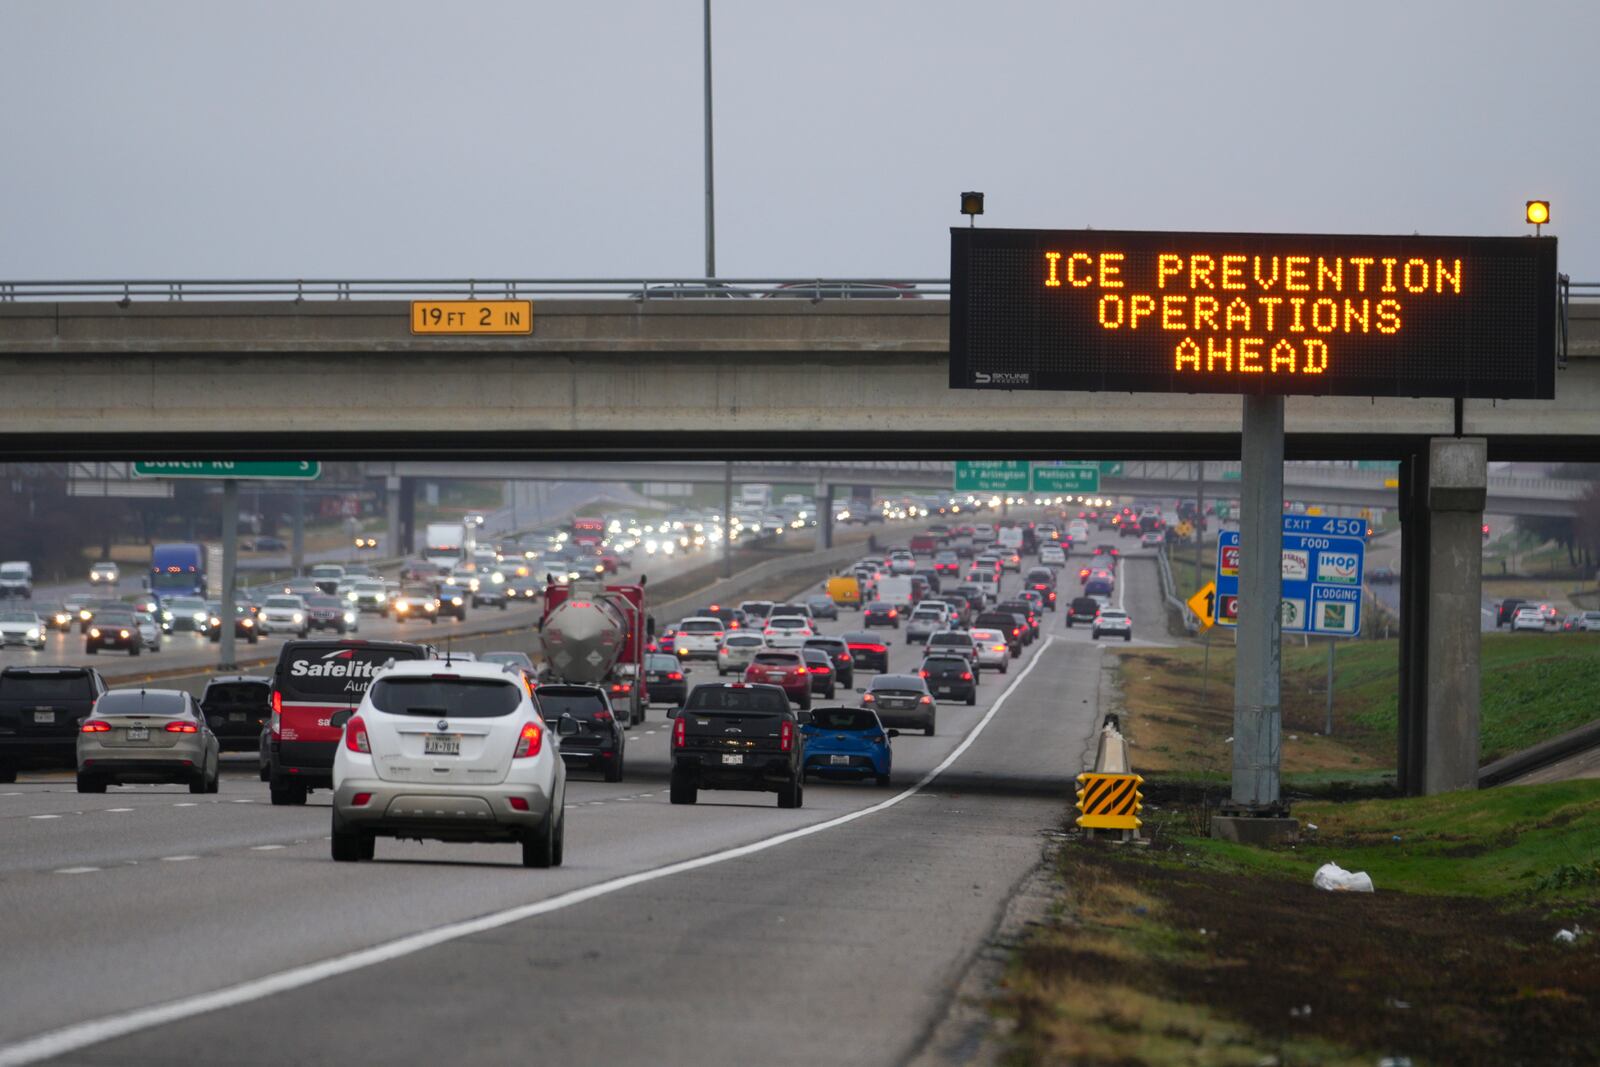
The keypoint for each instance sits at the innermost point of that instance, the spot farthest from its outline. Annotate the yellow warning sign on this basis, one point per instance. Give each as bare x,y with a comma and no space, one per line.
471,316
1204,605
1110,801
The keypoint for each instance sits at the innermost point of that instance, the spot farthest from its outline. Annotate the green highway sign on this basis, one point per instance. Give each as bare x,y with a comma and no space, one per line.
1066,477
289,469
1111,468
991,476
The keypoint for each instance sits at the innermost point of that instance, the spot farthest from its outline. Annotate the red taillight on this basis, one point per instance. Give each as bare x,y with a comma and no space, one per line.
674,676
530,741
893,613
355,735
518,803
361,800
182,728
601,716
1017,632
277,702
845,659
785,735
800,670
926,700
680,730
923,673
95,726
867,698
619,687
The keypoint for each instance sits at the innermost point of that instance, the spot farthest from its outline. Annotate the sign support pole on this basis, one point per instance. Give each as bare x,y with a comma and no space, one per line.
1255,813
1332,645
230,558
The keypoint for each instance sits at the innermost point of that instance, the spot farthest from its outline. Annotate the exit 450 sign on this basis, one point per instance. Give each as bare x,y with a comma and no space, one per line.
1253,313
1323,563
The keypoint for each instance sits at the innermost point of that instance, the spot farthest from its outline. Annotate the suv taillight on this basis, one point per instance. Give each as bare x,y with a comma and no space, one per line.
680,731
785,735
355,735
601,716
530,741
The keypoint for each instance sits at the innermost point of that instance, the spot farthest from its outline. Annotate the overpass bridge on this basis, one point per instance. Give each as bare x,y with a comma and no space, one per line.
1508,495
179,369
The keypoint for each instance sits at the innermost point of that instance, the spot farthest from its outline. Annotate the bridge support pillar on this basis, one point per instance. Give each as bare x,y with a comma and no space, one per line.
1442,493
825,515
407,517
391,517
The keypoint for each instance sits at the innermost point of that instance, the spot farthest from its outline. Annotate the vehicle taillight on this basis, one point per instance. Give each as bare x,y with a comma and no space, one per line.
926,700
923,673
674,676
95,726
867,698
275,723
845,659
1017,632
529,741
361,800
893,613
355,735
182,728
800,670
619,687
785,735
680,731
601,716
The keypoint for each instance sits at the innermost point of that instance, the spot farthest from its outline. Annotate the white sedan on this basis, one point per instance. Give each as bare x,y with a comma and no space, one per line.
1052,555
22,628
993,652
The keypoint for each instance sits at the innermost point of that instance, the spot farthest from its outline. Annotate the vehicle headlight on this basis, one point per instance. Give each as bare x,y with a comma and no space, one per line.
62,618
456,601
216,621
349,616
298,617
85,614
247,622
401,605
33,634
351,596
199,616
123,633
94,631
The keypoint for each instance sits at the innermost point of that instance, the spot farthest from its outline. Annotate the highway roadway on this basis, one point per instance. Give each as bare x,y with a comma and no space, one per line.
149,926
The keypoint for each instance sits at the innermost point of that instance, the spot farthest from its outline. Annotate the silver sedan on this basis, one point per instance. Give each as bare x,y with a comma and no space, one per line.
147,735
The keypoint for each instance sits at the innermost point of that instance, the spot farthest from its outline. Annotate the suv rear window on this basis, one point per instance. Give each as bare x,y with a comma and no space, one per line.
580,703
243,696
455,698
47,685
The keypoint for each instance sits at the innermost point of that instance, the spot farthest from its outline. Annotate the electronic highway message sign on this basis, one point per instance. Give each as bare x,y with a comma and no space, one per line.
1318,314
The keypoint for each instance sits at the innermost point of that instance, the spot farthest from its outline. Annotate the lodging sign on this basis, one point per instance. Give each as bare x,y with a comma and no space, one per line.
1253,313
1323,563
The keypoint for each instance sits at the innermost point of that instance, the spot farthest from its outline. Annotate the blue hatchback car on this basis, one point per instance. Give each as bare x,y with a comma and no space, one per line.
847,743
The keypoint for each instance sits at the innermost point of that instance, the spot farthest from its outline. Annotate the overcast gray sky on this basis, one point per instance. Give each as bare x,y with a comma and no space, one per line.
228,138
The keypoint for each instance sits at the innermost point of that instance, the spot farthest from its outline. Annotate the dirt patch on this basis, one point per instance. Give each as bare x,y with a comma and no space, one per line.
1155,961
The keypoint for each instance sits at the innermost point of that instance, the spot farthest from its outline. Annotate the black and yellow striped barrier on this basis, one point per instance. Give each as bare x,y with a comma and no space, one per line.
1109,801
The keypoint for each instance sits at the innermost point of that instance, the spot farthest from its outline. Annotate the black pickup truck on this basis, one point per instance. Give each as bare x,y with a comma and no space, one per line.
737,736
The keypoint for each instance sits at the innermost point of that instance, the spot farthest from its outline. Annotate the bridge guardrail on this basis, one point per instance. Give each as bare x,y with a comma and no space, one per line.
300,290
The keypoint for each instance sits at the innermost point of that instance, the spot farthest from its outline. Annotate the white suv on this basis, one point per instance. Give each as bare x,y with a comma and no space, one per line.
285,614
1112,623
450,751
699,637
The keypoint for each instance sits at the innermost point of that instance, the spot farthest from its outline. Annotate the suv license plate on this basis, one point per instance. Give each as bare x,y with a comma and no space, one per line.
440,745
236,716
138,733
945,690
733,759
44,716
839,761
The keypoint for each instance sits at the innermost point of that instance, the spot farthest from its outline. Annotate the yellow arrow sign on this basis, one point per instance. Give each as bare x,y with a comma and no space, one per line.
1204,605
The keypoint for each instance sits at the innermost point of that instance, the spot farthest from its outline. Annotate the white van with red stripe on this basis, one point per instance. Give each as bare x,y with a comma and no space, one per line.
316,686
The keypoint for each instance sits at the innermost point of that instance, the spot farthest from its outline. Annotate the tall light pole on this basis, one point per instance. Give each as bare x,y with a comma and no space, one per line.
711,214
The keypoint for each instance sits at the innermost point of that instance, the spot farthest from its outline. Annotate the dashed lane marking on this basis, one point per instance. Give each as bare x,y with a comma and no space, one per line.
76,870
94,1031
177,859
44,816
266,848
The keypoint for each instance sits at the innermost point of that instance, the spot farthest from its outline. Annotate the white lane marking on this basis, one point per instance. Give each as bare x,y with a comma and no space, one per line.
16,794
647,794
186,804
44,816
76,870
94,1031
177,859
244,801
266,848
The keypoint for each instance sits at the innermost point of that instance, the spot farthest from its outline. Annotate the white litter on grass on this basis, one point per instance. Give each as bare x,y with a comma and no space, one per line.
1569,936
1336,879
1311,826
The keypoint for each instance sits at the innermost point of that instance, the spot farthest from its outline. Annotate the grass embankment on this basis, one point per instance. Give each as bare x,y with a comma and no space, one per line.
1535,686
1201,952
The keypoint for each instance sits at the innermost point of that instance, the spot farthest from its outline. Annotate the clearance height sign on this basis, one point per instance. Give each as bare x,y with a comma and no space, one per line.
1253,313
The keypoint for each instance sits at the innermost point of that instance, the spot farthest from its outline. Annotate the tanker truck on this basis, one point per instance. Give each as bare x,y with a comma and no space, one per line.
595,634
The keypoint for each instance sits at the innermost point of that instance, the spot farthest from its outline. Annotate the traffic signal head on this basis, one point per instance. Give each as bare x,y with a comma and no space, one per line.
972,203
1538,212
